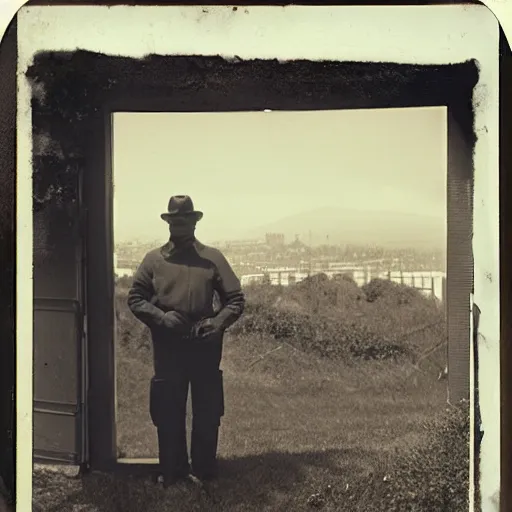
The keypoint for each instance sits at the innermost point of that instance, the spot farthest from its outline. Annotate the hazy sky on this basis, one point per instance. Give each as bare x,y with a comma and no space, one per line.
244,170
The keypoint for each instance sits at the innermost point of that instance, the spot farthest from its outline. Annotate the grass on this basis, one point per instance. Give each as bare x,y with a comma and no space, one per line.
308,424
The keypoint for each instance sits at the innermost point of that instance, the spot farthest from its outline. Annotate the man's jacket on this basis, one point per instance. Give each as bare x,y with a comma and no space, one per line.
185,280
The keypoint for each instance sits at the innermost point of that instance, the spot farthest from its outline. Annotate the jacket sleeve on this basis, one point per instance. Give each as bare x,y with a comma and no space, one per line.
230,293
141,293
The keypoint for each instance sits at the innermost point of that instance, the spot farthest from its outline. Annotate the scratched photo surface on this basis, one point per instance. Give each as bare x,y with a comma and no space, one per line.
335,179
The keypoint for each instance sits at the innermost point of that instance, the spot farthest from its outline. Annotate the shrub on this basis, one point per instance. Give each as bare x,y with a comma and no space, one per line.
330,318
335,339
131,334
124,282
393,293
435,475
322,294
337,319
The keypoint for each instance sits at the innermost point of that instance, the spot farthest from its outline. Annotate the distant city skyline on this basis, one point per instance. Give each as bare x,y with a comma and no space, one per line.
251,171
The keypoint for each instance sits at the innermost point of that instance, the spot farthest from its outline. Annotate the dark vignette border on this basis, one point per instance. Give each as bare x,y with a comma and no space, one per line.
8,62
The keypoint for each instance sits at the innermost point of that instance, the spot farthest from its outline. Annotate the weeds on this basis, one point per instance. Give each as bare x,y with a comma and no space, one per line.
342,412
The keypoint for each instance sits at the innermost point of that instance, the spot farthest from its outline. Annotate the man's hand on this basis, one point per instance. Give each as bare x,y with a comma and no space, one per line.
173,320
205,328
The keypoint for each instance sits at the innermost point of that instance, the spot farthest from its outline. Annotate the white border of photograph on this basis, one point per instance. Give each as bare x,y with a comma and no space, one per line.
400,34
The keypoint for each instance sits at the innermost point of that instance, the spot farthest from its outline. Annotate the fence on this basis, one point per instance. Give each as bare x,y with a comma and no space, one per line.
432,284
429,283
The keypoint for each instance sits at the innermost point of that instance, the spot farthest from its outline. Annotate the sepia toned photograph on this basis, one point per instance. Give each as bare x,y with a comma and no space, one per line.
253,283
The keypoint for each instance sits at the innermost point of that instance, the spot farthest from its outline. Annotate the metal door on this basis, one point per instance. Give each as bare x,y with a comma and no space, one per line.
60,338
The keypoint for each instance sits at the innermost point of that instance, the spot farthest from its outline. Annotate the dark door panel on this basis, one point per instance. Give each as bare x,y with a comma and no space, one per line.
59,398
59,334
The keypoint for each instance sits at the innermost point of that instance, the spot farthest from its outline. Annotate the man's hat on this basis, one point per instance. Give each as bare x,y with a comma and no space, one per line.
180,206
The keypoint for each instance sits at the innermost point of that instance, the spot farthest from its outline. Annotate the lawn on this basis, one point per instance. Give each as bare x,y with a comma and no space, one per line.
302,430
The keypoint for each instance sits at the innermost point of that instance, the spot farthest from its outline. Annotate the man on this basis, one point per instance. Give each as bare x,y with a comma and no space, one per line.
173,294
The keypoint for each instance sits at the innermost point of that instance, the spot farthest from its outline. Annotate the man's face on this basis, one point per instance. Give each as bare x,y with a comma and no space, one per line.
182,226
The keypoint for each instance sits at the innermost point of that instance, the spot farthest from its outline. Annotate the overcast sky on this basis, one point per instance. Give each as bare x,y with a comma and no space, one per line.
244,170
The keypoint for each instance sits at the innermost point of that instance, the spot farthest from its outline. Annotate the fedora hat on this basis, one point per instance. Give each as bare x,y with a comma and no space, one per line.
180,206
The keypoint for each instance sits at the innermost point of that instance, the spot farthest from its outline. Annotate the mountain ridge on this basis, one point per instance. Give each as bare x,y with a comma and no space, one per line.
358,227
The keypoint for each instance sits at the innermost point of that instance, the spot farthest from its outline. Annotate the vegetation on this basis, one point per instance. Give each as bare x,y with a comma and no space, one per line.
333,402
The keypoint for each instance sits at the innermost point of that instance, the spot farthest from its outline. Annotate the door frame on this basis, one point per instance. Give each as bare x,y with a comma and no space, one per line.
170,95
100,280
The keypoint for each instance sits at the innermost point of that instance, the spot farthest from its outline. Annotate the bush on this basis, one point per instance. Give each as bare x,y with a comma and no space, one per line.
318,334
322,294
393,293
433,477
131,334
339,320
329,318
124,282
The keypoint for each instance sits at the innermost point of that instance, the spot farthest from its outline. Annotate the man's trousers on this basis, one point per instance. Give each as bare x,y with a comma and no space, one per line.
193,365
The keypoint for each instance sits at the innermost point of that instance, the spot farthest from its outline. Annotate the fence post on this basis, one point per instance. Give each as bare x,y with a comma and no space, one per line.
443,291
401,277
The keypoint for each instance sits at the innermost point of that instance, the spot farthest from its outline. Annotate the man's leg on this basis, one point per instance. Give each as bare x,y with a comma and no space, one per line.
208,408
168,403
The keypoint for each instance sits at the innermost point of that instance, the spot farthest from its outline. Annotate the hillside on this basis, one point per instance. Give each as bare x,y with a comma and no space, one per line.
347,226
332,402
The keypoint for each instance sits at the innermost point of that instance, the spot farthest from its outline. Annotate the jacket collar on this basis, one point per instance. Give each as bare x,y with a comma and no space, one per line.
170,249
